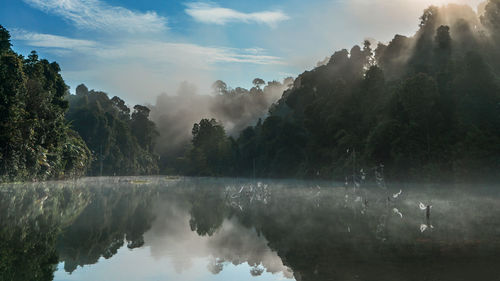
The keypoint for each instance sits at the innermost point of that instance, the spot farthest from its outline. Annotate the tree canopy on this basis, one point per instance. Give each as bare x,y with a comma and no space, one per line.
122,142
36,141
425,107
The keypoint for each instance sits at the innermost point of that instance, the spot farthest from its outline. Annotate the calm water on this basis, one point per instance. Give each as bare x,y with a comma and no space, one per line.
229,229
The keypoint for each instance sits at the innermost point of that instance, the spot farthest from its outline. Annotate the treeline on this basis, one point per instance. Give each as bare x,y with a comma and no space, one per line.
122,140
46,133
424,107
235,108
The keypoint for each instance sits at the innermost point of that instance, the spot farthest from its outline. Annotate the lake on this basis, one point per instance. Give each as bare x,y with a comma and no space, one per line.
167,228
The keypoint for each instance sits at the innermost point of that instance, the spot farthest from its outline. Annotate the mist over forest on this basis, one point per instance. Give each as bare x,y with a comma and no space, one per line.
235,109
420,107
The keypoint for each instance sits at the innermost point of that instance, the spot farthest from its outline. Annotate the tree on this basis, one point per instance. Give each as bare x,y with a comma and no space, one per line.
81,90
122,144
491,17
36,142
123,110
429,17
416,104
210,154
12,114
4,40
219,87
257,82
143,129
443,44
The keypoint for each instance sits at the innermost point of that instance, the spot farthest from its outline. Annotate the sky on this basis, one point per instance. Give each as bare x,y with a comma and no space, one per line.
139,49
173,251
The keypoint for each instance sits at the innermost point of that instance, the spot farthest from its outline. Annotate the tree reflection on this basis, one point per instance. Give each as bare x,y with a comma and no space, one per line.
30,219
77,224
305,230
115,216
341,234
207,211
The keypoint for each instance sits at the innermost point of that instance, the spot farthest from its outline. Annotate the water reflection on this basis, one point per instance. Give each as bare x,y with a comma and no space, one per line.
172,236
222,229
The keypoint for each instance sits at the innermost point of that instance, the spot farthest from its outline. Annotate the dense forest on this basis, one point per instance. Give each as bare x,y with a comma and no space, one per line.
122,141
235,109
424,107
46,133
421,107
36,142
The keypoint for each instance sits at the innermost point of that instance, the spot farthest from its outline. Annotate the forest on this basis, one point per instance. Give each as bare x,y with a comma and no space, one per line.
424,107
46,133
36,141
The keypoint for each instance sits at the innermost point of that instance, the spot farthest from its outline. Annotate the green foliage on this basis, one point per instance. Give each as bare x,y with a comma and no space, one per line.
35,141
4,40
427,107
142,128
491,17
77,155
210,154
122,144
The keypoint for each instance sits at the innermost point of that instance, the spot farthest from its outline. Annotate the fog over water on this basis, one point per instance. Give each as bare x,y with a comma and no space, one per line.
220,229
238,178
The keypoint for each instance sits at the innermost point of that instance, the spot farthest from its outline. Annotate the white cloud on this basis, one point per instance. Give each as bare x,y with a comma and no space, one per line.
209,13
152,67
255,50
49,40
97,15
149,67
152,51
207,54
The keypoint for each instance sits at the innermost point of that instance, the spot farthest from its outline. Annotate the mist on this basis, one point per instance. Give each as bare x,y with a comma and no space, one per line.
236,109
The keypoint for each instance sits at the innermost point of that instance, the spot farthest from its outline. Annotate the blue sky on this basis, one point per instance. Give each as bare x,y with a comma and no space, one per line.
138,49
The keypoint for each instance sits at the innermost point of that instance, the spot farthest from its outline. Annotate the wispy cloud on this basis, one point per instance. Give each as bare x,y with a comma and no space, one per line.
155,51
207,54
211,13
97,15
142,66
49,40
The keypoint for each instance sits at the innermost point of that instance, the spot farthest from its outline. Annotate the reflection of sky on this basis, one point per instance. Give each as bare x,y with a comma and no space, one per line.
173,252
138,265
